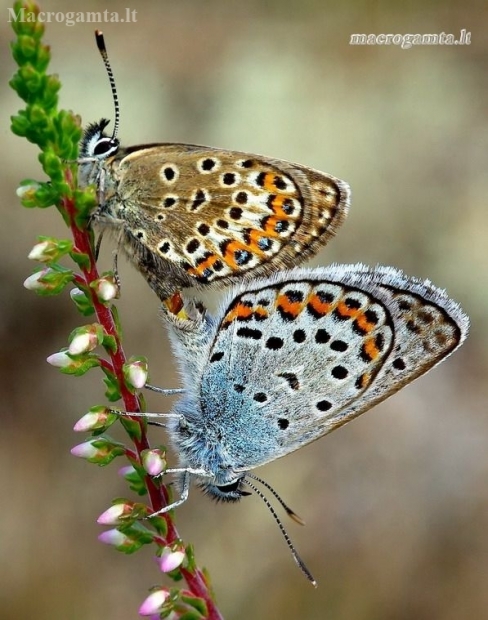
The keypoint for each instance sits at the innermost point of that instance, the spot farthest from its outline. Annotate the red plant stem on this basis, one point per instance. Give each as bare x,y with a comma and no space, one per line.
158,494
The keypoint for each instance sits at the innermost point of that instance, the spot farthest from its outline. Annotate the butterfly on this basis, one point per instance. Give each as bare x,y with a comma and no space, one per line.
197,215
289,358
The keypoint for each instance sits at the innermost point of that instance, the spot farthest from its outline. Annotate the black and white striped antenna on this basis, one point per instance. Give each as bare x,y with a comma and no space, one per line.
103,52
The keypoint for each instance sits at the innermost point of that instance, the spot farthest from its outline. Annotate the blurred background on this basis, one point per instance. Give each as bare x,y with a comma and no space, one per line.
396,503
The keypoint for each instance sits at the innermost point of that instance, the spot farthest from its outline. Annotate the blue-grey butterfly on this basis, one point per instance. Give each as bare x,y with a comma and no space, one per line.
290,358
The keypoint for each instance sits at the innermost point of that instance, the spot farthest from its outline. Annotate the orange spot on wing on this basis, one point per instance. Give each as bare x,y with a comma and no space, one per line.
206,264
371,349
238,311
277,208
254,237
268,183
273,182
232,248
260,312
318,305
293,308
363,322
345,311
269,227
364,380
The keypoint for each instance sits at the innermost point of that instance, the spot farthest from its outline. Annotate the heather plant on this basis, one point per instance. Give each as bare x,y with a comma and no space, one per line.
97,346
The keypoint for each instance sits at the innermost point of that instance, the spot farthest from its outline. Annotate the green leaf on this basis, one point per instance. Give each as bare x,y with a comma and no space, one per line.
136,481
160,525
108,450
81,364
116,318
133,427
54,281
190,559
80,258
83,303
112,392
192,615
110,343
139,535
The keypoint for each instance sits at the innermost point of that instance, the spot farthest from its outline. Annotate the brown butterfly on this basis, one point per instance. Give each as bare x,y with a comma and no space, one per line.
188,214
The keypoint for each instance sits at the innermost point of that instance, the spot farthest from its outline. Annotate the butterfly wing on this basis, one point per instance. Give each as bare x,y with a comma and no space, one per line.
213,215
297,355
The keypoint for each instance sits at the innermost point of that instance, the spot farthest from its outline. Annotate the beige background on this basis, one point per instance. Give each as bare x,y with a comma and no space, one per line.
396,504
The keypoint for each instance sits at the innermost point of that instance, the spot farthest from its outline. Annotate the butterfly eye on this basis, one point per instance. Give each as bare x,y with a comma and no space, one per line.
106,146
230,492
229,488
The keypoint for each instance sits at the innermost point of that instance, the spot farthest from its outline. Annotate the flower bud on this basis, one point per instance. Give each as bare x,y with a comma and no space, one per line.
153,461
100,450
85,339
171,558
154,602
27,191
106,288
48,281
40,252
32,282
85,450
59,360
112,516
76,292
135,373
126,470
95,419
114,538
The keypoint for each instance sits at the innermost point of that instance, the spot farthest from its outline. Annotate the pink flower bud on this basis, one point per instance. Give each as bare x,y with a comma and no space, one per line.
82,344
153,461
106,288
126,470
114,537
94,420
40,251
85,339
85,450
112,516
59,360
171,558
136,373
154,602
32,282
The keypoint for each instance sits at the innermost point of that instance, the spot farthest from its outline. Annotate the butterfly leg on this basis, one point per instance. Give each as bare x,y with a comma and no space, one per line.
115,269
98,246
183,497
163,391
185,487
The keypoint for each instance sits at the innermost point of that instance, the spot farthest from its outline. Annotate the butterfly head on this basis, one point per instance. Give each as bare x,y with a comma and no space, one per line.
203,448
95,144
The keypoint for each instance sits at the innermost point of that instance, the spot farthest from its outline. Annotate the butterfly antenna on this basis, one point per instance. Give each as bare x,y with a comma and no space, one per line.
103,52
296,557
291,513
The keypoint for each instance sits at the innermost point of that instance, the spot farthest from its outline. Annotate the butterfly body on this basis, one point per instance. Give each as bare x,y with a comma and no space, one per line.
195,215
290,358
